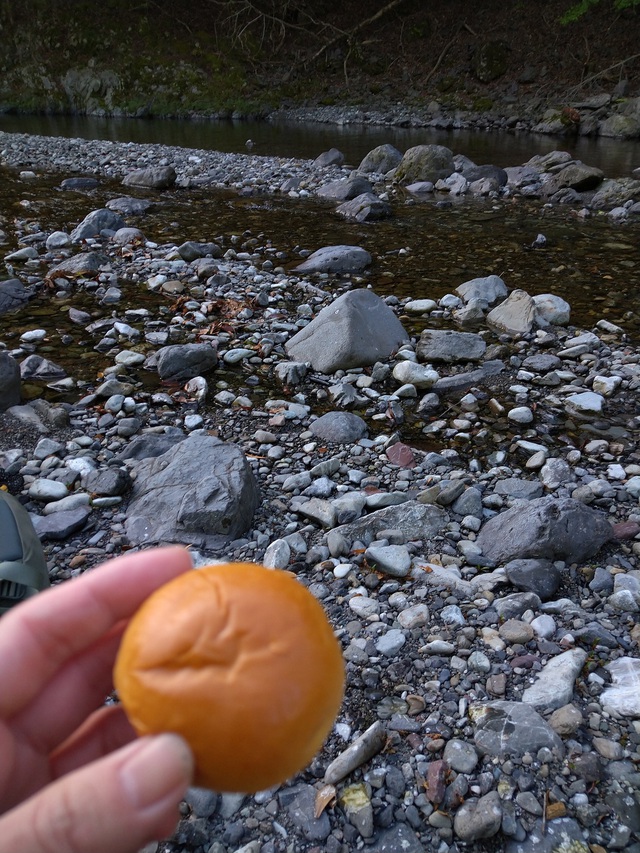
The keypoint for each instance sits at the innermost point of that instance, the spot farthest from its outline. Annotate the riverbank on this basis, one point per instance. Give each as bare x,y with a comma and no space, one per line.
491,669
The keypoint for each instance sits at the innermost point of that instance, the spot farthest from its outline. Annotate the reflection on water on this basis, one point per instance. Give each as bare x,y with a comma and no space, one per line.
306,140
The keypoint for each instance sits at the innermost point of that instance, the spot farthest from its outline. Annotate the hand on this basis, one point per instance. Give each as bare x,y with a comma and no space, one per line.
72,773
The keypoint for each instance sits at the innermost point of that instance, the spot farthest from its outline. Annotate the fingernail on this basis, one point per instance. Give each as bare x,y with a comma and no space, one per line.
157,767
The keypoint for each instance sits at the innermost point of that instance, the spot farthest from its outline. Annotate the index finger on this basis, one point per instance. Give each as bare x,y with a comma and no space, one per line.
43,633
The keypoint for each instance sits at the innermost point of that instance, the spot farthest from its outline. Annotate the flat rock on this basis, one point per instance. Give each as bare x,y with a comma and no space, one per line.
622,699
337,259
505,728
554,686
515,316
154,177
447,346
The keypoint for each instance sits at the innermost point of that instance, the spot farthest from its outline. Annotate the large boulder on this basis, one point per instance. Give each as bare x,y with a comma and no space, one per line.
84,265
548,528
483,291
184,361
338,259
381,160
614,193
491,60
355,330
424,163
200,492
9,381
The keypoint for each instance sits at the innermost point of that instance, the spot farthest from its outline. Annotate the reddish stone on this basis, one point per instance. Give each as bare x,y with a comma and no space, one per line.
524,661
435,784
626,530
402,455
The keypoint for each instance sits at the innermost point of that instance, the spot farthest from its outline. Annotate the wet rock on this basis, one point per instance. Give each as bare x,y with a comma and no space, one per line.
95,223
366,207
550,528
355,330
184,361
128,206
200,492
37,367
337,259
84,265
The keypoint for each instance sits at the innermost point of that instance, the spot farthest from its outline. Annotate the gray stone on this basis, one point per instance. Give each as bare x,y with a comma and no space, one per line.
622,699
339,427
200,492
36,367
523,490
512,728
337,259
539,576
554,686
390,643
551,528
154,177
300,806
424,163
478,818
447,346
562,835
192,250
332,157
107,481
575,175
382,159
128,206
60,525
96,222
551,310
366,207
361,750
348,188
13,295
357,329
84,265
484,291
184,361
515,316
414,520
148,446
463,381
399,838
613,193
392,560
460,755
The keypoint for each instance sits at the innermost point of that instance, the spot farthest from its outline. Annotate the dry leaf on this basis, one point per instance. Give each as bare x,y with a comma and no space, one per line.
324,797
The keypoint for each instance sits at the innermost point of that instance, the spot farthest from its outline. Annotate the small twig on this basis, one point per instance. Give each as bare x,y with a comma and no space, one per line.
443,53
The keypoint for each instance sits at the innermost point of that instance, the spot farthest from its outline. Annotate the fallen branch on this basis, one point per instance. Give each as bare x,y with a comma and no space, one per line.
443,53
604,71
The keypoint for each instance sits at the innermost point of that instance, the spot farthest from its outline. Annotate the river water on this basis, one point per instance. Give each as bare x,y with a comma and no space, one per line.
424,250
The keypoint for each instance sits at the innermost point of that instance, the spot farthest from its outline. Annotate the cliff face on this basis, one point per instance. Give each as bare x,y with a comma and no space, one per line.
206,59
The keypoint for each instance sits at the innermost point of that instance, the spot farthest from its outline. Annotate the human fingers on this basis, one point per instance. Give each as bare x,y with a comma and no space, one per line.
115,805
50,718
21,775
39,636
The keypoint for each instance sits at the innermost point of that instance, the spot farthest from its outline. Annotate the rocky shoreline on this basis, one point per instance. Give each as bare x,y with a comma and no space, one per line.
484,582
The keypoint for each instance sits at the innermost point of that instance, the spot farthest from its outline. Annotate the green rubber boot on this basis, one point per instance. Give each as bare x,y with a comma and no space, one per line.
23,568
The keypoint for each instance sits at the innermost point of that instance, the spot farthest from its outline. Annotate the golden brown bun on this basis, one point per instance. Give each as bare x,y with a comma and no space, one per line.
242,662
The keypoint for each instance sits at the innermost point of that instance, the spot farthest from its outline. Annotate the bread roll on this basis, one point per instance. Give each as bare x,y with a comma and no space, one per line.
242,662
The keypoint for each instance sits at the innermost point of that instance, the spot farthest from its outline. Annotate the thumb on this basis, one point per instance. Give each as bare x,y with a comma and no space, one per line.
114,805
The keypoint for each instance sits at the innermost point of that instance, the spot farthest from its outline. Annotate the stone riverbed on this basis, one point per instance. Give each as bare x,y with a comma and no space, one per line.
480,568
